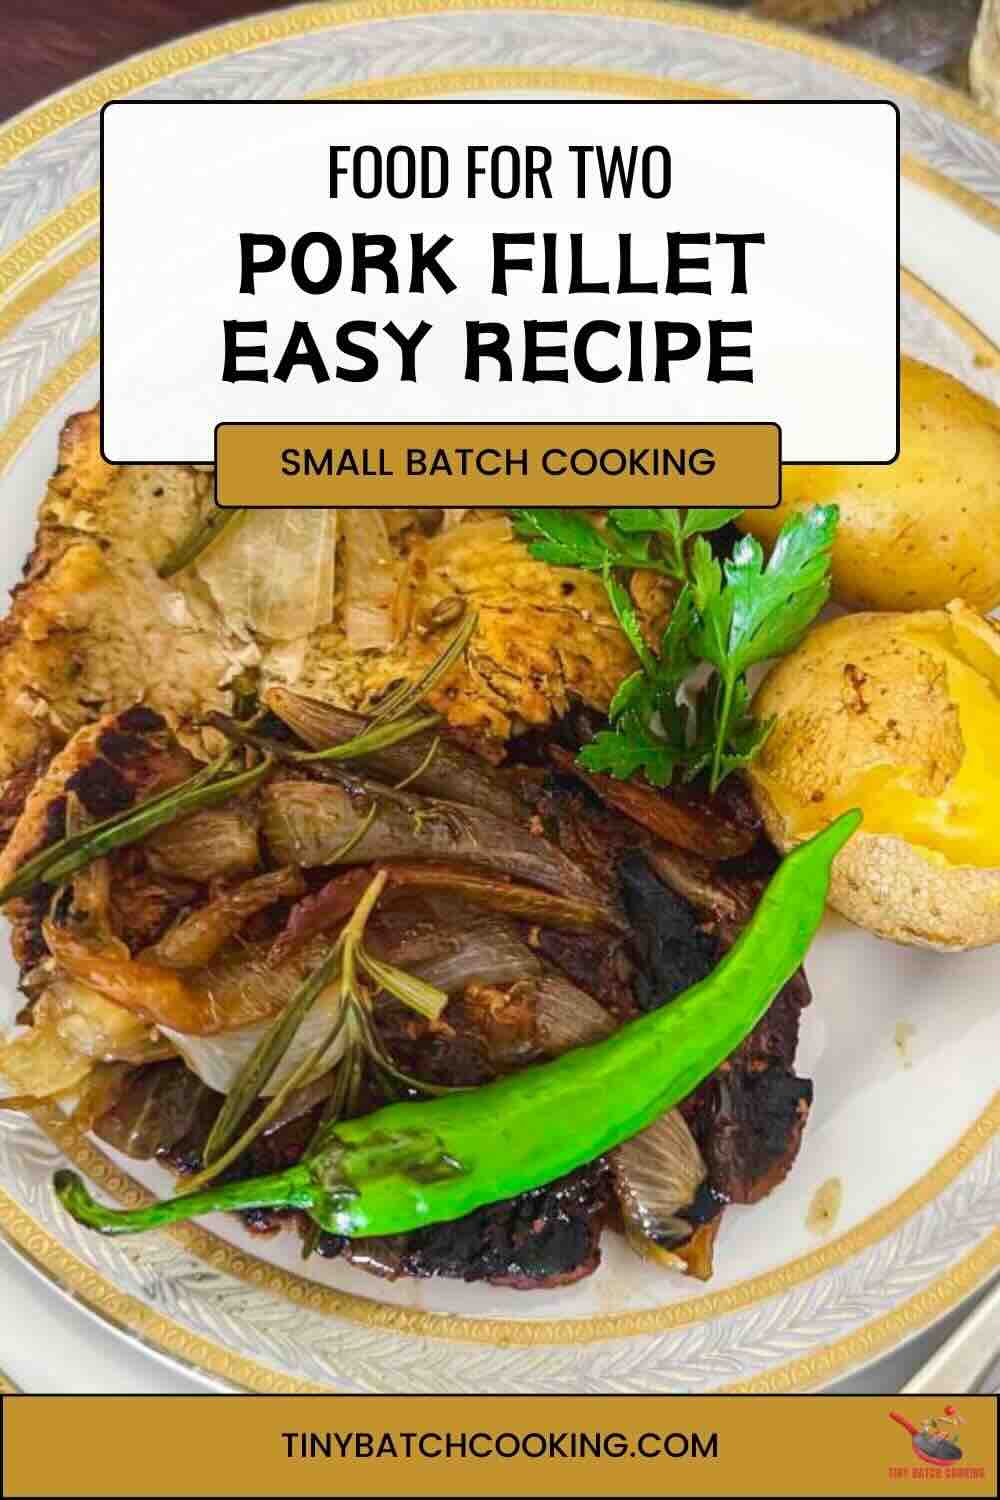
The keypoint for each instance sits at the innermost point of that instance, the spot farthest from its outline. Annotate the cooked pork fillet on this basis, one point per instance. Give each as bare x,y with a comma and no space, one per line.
93,628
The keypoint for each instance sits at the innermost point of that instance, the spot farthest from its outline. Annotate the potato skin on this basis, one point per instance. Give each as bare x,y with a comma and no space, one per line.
924,530
858,694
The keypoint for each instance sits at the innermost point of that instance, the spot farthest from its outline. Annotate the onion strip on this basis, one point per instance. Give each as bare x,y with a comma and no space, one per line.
333,903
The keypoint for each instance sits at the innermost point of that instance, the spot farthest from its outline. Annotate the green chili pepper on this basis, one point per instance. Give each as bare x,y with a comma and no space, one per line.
410,1164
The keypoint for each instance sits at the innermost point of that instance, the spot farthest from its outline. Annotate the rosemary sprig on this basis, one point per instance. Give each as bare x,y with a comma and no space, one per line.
363,1041
343,1098
199,540
382,1060
368,742
356,837
418,771
399,718
144,820
31,871
426,999
409,695
266,1056
69,854
342,965
269,1051
342,1101
312,1062
376,737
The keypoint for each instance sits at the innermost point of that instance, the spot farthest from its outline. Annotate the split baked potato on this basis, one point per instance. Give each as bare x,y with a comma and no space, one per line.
898,714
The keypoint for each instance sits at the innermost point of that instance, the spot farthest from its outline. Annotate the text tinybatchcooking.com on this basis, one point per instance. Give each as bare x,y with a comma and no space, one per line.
480,1444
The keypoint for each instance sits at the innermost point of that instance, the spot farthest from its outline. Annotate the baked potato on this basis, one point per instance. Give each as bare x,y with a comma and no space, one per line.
921,531
898,714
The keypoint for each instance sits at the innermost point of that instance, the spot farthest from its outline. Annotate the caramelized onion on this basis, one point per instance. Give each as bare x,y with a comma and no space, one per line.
486,950
656,1176
218,1060
217,842
370,579
450,772
39,1063
73,1029
320,823
695,880
94,1026
196,940
568,1017
156,1108
325,909
274,573
238,988
100,1092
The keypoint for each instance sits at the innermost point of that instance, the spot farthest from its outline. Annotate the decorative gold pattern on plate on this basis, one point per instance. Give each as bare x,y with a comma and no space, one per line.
19,429
80,1281
83,1153
987,354
224,41
46,396
882,1334
84,210
135,1319
33,1240
47,237
45,286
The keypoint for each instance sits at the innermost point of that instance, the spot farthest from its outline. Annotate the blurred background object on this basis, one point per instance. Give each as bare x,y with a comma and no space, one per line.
927,36
984,66
812,12
48,44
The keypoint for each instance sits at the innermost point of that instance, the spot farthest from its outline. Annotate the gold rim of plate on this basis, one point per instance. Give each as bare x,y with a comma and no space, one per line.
30,1239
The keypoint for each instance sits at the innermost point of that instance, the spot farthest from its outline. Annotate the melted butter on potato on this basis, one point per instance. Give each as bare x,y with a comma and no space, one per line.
899,715
962,823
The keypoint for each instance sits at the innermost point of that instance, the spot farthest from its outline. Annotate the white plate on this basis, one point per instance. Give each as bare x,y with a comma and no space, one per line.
914,1145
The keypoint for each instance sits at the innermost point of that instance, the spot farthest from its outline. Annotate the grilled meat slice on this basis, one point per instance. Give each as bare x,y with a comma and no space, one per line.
673,952
596,839
686,816
268,1153
93,627
683,912
108,766
546,1238
749,1115
15,794
593,836
111,764
600,963
748,1123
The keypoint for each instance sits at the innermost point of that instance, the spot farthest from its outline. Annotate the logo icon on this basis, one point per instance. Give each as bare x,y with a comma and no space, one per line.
935,1440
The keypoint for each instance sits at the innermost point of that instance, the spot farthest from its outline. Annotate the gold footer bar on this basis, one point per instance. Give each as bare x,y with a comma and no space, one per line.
492,463
510,1445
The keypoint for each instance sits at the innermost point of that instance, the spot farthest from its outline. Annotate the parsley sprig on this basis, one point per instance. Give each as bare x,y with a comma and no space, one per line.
668,718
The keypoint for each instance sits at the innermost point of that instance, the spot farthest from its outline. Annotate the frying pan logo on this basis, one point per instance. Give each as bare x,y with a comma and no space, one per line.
935,1441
